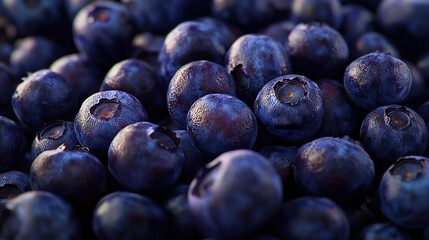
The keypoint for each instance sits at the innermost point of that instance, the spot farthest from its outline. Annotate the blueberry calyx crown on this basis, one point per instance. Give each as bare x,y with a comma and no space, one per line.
408,169
53,131
397,117
9,191
164,138
205,179
290,91
105,109
98,14
240,77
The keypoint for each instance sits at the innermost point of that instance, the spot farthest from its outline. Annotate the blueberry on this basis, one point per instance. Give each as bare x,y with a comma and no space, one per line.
12,144
417,94
190,41
370,4
383,231
36,215
323,11
407,28
156,16
147,47
8,83
356,20
75,175
423,112
42,17
43,97
125,215
317,51
102,115
309,218
13,183
228,33
54,135
194,160
31,54
141,80
372,42
334,168
341,115
219,122
234,194
290,108
396,129
147,158
103,32
279,31
176,205
253,60
404,192
192,81
282,159
83,75
72,7
377,79
250,15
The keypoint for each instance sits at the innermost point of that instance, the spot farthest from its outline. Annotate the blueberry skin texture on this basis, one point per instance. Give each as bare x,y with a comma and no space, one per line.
334,168
396,129
373,42
31,54
189,41
142,81
194,160
322,11
383,231
146,158
317,51
225,197
75,175
54,135
218,123
192,81
403,192
341,115
102,115
377,79
12,144
356,20
103,32
308,218
37,215
407,28
43,97
253,60
250,15
126,215
44,17
84,76
13,183
8,83
290,108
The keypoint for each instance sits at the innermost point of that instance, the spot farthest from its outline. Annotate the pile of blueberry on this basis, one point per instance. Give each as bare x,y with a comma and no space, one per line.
214,119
